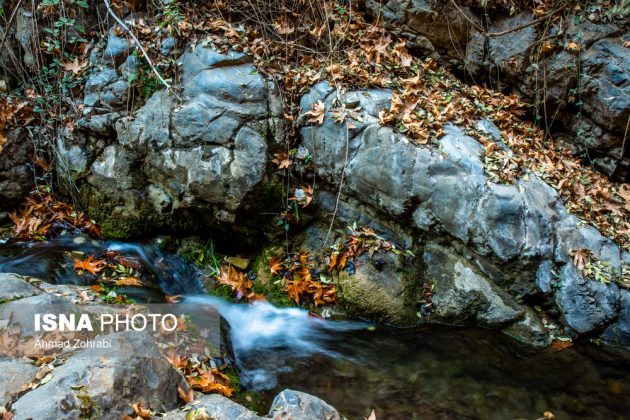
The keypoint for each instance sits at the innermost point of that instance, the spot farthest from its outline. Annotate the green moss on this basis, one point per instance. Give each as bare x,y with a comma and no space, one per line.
273,292
370,300
131,218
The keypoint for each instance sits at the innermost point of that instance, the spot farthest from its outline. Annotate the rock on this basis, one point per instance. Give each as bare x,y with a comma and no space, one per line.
14,374
17,324
216,407
117,47
510,52
203,152
605,88
288,405
586,305
16,174
114,379
557,81
619,331
14,287
295,405
379,288
462,296
529,330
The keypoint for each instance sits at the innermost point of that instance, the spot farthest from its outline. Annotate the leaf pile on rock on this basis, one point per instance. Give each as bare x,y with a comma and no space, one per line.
201,376
300,44
42,216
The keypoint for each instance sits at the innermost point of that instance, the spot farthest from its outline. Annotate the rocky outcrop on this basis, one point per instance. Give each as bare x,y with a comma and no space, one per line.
482,245
199,150
576,72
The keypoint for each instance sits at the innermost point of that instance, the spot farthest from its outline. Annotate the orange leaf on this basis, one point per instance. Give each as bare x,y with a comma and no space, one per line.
172,299
187,397
141,411
129,281
559,345
90,265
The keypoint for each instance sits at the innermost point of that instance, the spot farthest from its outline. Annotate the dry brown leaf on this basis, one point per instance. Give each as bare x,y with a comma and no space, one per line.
141,411
187,397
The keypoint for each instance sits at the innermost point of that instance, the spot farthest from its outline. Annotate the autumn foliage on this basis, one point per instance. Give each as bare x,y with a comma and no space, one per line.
42,216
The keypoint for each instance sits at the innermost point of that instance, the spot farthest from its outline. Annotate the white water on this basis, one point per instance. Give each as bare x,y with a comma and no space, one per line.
262,336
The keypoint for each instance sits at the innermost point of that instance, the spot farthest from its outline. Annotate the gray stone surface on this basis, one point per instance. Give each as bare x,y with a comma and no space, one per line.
14,287
16,174
216,407
131,371
295,405
463,296
14,374
511,231
585,304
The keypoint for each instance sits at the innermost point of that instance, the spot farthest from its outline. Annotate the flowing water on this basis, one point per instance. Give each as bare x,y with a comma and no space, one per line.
430,372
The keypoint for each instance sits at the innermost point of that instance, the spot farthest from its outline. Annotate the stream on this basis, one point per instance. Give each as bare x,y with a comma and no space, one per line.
433,371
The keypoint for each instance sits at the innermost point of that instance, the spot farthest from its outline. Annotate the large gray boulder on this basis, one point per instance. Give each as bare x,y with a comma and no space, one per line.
187,156
131,371
507,242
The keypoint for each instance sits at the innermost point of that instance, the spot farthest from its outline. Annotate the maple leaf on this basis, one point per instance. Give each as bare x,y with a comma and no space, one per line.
74,66
141,411
282,160
580,257
318,113
558,345
275,266
283,26
211,382
90,265
295,289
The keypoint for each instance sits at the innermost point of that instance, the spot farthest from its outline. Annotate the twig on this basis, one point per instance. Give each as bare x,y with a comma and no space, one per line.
122,24
8,25
507,31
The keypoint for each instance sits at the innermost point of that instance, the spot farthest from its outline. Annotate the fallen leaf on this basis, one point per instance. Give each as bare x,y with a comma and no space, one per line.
318,113
90,265
129,281
141,411
187,397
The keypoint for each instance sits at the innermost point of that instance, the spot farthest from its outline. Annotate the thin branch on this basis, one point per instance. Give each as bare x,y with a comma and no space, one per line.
122,24
8,25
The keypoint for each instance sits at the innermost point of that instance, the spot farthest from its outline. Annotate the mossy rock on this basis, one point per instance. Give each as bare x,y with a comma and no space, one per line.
379,289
